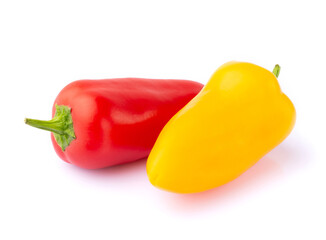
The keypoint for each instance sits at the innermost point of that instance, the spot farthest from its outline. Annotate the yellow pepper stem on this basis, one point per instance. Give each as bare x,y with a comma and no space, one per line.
277,70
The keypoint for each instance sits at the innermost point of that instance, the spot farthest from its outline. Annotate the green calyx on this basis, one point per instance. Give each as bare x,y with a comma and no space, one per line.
60,125
277,70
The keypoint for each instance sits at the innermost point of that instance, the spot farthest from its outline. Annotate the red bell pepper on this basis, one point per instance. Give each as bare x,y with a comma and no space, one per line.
101,123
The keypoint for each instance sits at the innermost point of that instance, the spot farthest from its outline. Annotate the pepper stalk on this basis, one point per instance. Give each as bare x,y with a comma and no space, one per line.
61,125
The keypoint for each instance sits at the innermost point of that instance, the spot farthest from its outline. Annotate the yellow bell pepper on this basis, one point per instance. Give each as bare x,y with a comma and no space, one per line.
239,116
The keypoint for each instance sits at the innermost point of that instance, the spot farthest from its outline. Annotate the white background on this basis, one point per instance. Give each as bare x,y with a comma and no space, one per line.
44,45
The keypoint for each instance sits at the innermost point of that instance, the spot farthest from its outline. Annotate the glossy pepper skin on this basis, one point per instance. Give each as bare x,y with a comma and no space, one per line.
113,121
239,116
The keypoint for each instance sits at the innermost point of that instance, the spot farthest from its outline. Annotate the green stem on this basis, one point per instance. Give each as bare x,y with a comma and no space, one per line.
61,125
55,125
277,70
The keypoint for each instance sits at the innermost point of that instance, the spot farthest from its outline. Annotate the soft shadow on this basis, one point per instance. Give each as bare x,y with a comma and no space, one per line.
128,175
281,163
270,171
